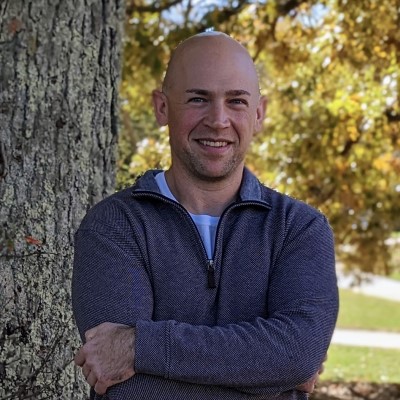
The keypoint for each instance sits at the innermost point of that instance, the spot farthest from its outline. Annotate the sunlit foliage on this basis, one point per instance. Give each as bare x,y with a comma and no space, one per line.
331,73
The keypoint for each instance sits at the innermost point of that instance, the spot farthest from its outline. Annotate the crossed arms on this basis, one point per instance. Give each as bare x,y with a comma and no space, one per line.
265,356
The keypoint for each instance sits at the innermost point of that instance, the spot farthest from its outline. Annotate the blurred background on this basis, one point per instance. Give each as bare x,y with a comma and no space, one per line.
331,72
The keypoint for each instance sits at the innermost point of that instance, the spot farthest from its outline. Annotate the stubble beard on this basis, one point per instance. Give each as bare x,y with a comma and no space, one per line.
198,168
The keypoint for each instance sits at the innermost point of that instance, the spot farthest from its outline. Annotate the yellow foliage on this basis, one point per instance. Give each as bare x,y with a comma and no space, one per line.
327,139
384,162
382,184
341,165
353,133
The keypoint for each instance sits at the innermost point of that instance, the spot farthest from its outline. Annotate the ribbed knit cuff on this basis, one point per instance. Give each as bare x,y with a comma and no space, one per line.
152,348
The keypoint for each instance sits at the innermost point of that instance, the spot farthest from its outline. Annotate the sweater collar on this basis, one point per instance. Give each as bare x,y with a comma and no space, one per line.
250,188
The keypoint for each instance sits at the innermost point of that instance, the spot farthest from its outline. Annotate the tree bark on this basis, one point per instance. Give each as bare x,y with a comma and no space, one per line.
59,76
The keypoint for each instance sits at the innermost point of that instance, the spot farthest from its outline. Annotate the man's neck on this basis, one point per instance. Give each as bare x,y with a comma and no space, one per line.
203,197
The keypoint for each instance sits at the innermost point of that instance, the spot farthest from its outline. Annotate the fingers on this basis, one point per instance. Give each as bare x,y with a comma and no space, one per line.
321,369
322,366
80,357
90,376
86,371
109,352
90,334
91,379
100,388
307,387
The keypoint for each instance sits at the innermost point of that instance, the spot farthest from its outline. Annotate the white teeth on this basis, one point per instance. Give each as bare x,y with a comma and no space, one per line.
213,144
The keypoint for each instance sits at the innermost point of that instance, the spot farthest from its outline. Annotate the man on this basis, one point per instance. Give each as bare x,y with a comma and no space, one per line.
201,283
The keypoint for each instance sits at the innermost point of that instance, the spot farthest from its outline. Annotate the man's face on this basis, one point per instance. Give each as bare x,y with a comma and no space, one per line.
212,108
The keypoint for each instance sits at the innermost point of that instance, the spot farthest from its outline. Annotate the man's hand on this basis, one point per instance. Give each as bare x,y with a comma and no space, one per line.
309,386
107,358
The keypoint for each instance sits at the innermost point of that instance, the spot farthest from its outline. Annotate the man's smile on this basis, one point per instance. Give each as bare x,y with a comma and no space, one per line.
211,143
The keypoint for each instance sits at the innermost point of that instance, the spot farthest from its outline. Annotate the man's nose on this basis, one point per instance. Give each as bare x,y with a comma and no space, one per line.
217,116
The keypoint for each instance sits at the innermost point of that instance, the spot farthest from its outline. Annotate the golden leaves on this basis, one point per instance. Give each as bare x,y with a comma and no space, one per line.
331,75
384,162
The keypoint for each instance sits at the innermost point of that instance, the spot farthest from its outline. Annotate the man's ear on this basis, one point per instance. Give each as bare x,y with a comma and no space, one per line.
260,114
160,107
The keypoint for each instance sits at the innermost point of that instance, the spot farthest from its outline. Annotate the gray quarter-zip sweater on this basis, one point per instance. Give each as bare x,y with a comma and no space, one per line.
252,323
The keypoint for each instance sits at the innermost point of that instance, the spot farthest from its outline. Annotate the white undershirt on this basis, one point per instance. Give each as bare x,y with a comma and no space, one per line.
206,224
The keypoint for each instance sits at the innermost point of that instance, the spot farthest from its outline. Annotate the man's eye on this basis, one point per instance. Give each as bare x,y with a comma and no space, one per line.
238,101
197,100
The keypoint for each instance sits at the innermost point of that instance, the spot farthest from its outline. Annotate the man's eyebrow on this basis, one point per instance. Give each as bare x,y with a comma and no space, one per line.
235,92
198,91
238,92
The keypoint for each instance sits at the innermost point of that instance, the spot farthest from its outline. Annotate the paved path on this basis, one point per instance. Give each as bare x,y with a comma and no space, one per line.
377,286
352,337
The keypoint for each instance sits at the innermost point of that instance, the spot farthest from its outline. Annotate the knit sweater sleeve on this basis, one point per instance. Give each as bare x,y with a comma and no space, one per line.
268,355
110,282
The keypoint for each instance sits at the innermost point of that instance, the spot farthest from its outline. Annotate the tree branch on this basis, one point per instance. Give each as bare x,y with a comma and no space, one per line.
152,8
392,116
223,15
287,6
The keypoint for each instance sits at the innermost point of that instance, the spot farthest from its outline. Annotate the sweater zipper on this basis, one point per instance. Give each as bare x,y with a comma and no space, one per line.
210,263
211,274
210,268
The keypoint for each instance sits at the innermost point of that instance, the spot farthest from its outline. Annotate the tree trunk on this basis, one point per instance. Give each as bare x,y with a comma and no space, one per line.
59,76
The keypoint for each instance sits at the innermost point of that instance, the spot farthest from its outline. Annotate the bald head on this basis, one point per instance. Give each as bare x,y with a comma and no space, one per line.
208,51
212,105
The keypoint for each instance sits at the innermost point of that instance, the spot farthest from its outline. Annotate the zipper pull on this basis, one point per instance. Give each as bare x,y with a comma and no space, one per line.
211,274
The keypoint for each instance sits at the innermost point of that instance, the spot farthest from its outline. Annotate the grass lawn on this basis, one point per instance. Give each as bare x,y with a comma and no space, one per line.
395,262
347,363
395,275
358,311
